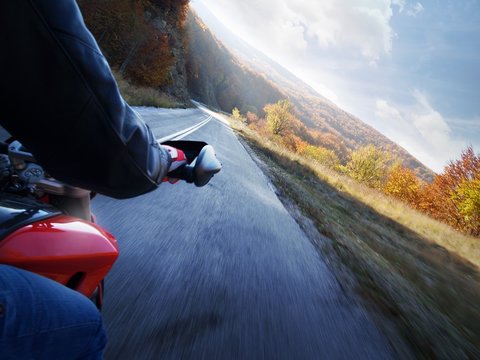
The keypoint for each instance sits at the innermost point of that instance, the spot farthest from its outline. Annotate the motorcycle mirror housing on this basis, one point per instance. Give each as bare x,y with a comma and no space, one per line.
206,165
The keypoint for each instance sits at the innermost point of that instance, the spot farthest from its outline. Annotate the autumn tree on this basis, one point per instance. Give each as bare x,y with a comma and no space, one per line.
368,165
130,40
453,196
323,156
236,114
118,26
300,145
279,116
152,60
403,184
330,141
433,201
459,183
251,118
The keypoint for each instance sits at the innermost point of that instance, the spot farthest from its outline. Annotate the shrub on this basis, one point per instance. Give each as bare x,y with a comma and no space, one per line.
279,116
368,165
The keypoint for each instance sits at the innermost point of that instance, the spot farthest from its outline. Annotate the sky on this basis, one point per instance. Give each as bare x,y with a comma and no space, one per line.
410,69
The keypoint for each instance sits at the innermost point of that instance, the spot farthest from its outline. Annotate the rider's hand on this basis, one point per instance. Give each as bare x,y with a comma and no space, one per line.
179,160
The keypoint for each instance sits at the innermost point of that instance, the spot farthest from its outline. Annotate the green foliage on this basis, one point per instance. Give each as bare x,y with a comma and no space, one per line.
279,116
368,165
323,156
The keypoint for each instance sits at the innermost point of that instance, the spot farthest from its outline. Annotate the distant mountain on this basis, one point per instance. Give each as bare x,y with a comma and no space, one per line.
217,78
314,110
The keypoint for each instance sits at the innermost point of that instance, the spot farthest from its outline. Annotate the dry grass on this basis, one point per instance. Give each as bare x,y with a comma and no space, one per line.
143,96
421,272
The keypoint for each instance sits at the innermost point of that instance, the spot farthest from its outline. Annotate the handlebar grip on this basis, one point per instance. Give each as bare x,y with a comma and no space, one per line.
185,173
191,149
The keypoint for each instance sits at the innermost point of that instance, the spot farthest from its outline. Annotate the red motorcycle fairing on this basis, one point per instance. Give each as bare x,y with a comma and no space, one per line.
69,250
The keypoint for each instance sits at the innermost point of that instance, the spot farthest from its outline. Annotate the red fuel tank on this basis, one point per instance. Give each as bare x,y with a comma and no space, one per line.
69,250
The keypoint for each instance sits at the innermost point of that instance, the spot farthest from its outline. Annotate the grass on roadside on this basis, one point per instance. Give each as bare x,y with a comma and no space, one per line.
143,96
421,272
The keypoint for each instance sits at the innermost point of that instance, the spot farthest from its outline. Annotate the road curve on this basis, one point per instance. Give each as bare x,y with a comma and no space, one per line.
223,272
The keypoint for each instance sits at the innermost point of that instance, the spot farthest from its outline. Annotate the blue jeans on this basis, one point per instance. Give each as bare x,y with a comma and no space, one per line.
41,319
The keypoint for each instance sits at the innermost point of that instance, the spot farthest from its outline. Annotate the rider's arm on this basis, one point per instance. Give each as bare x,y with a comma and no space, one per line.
59,98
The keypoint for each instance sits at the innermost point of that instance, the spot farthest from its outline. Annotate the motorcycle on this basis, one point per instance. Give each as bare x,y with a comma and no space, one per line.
47,227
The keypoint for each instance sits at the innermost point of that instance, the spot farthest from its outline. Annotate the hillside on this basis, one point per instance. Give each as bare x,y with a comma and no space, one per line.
217,78
315,111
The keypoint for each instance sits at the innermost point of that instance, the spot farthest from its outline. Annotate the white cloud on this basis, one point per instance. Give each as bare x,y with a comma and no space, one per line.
414,10
400,4
384,110
421,130
430,123
357,26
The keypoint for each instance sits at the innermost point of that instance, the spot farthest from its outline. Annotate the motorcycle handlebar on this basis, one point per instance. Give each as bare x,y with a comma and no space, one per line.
202,162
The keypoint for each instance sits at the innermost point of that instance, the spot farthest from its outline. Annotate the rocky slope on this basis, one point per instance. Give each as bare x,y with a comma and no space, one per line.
144,41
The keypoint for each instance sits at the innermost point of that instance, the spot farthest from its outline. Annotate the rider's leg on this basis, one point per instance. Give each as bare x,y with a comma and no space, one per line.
41,319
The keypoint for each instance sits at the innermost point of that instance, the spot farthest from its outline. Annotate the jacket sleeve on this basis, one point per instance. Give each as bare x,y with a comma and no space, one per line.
59,98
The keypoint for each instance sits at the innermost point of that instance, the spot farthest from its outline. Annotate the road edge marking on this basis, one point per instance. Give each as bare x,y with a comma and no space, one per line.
182,133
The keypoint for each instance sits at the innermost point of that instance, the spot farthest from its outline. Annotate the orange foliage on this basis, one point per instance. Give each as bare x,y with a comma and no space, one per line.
466,168
332,142
455,176
452,196
287,140
434,201
403,184
300,145
152,59
130,40
251,118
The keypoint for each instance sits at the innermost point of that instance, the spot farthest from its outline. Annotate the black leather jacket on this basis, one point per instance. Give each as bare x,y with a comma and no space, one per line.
59,98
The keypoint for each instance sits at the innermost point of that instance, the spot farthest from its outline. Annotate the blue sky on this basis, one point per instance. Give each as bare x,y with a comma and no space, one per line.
411,69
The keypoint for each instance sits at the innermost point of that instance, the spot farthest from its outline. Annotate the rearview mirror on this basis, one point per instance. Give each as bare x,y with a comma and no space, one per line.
206,165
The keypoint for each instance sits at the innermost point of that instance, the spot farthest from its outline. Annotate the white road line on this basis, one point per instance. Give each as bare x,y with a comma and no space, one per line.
182,133
217,116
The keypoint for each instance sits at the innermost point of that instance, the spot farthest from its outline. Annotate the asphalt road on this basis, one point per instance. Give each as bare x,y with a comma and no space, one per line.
223,271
